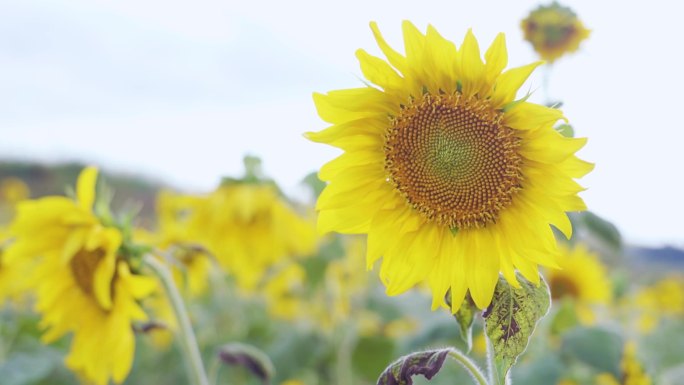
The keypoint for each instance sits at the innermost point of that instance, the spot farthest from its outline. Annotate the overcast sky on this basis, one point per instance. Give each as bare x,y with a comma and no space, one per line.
182,90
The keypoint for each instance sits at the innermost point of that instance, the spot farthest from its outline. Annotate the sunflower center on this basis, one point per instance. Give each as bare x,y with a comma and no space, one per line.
562,286
453,160
83,266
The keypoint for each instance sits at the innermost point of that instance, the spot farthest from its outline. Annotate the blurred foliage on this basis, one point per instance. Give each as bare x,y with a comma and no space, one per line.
348,331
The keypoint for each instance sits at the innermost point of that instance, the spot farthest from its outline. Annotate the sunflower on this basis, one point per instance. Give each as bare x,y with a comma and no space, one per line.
12,282
664,298
249,228
554,30
83,284
451,177
632,370
284,292
581,278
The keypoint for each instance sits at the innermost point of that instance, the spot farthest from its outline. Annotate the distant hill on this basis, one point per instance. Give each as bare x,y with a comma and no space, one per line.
130,191
664,258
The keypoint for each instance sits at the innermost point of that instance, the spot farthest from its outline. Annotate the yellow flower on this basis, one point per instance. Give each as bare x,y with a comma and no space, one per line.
12,276
13,190
583,279
664,298
191,265
292,382
554,30
606,379
82,283
248,228
343,283
451,177
633,372
284,292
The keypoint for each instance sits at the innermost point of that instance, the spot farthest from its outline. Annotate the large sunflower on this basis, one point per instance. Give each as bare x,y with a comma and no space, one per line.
451,177
82,283
554,30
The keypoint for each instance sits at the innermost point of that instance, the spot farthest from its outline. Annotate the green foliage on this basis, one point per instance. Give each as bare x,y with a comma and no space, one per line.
372,354
603,230
511,319
565,318
596,347
544,371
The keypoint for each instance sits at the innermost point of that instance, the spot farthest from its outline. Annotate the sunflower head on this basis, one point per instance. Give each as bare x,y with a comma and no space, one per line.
554,30
452,176
581,279
74,254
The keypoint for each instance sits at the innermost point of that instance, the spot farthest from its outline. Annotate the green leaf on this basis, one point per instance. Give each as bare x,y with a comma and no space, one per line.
565,130
371,355
604,230
426,363
596,347
314,183
565,318
511,319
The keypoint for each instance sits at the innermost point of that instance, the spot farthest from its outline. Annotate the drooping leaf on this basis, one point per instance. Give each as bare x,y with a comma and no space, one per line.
249,358
511,319
427,364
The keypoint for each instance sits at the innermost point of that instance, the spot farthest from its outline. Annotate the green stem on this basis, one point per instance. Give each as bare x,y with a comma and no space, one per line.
187,336
344,352
469,365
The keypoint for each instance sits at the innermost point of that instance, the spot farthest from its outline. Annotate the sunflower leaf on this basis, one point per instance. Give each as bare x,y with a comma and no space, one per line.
511,319
427,364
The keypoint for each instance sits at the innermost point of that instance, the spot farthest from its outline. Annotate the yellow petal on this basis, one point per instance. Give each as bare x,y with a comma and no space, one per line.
483,264
509,82
379,72
471,67
496,58
396,59
85,187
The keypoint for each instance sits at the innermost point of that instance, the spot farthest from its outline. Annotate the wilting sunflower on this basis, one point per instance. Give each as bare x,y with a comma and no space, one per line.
452,177
83,285
582,278
554,30
249,228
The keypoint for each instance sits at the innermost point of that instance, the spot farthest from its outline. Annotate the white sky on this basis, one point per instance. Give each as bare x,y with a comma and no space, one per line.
181,90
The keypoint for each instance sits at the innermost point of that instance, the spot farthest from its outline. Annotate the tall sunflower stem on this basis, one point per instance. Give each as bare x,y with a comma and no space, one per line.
187,336
469,365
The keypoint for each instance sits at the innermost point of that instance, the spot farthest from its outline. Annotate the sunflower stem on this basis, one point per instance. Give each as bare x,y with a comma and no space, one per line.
187,336
469,365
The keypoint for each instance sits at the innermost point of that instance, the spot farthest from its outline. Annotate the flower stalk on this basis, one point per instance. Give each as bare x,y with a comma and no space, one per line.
186,334
469,365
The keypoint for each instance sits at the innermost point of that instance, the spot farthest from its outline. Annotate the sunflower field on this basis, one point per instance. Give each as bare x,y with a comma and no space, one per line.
446,239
